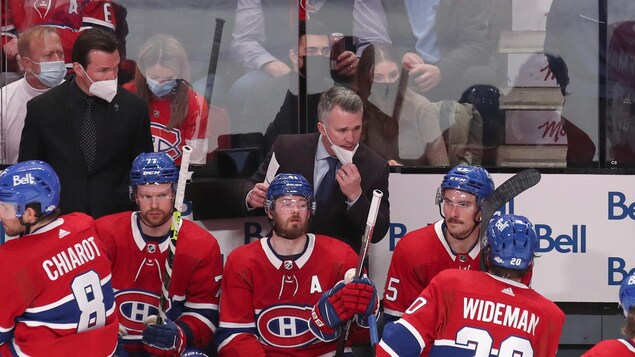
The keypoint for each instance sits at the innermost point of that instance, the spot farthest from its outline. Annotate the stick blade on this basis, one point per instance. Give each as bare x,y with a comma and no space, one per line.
509,189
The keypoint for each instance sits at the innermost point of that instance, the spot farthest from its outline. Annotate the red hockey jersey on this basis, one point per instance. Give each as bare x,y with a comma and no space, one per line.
266,302
68,16
138,268
473,313
418,257
192,131
58,292
613,348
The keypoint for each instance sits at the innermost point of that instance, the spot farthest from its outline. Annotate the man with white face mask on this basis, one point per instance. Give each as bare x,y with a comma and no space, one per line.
358,170
89,129
42,58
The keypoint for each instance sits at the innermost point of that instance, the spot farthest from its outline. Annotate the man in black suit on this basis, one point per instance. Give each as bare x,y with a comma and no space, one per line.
343,214
89,130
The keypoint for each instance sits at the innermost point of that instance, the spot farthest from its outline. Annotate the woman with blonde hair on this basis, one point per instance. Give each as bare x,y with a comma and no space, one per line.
178,114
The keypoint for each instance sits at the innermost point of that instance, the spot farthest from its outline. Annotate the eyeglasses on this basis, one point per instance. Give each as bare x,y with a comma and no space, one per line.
290,204
462,205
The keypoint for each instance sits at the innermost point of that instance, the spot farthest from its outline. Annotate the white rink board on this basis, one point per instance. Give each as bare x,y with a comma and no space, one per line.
557,205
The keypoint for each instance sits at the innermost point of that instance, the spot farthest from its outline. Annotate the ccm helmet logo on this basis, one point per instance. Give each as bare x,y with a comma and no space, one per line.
146,173
25,180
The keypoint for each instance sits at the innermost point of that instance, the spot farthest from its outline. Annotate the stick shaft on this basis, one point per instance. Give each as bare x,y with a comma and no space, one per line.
359,269
184,176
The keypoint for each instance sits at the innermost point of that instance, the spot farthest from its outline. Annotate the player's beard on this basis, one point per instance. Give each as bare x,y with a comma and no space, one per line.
155,217
293,228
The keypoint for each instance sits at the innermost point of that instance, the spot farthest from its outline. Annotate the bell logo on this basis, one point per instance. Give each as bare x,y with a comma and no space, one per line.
26,180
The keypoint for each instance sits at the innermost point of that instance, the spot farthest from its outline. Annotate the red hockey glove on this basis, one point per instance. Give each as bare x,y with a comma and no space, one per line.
329,313
360,297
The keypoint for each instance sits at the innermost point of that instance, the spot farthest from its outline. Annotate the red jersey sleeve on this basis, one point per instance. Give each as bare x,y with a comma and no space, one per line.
237,335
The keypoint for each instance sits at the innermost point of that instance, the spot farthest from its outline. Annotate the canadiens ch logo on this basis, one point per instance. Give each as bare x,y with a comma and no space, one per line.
285,326
166,140
135,306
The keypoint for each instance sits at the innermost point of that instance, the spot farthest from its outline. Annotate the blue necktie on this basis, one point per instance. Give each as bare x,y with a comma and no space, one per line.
327,184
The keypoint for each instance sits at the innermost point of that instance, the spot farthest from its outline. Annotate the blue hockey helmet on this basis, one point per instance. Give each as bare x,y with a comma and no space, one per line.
627,293
30,182
153,168
470,179
289,184
512,241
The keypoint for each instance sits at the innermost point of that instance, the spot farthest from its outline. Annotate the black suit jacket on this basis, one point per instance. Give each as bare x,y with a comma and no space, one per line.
51,134
296,154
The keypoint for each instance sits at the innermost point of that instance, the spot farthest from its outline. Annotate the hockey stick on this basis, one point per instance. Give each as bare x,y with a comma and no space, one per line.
509,189
359,271
184,176
213,60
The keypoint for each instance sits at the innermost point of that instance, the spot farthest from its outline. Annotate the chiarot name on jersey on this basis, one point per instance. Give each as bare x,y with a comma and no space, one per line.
70,259
573,241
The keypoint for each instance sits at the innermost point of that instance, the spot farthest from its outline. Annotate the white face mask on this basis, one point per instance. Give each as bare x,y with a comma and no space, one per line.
345,156
51,73
105,90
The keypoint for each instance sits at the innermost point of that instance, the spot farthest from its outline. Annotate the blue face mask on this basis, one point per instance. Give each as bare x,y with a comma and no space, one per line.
161,89
51,73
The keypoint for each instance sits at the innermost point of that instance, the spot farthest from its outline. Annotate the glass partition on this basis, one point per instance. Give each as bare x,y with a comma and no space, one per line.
499,83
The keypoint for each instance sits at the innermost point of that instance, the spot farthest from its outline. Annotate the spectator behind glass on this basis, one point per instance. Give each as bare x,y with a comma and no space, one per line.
93,165
42,58
572,48
178,115
310,62
265,30
447,44
69,17
398,124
